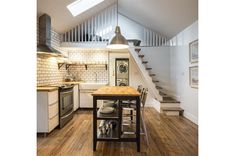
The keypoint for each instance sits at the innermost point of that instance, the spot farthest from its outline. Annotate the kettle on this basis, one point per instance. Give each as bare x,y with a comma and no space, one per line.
69,77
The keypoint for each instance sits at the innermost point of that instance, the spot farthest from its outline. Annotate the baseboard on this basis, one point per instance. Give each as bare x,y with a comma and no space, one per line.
190,117
156,105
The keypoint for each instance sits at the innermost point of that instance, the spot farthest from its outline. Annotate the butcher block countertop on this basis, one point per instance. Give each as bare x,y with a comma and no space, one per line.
71,82
50,88
46,88
116,91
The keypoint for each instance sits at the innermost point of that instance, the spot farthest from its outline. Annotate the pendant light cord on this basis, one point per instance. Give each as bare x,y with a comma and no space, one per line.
117,12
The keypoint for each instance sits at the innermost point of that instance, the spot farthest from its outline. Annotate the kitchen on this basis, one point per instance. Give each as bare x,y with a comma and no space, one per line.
91,94
66,92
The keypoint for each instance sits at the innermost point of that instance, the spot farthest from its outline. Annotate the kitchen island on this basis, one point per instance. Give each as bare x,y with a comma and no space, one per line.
115,93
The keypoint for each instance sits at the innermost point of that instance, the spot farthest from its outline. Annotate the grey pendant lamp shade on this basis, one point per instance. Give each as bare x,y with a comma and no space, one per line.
118,41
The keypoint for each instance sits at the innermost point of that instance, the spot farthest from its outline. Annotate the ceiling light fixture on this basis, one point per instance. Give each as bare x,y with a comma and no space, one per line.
118,41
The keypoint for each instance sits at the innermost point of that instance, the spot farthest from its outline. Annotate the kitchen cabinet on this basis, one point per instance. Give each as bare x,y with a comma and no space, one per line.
47,111
86,89
75,97
86,99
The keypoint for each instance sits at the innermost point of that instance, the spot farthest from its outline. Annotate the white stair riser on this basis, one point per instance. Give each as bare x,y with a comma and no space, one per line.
169,105
172,113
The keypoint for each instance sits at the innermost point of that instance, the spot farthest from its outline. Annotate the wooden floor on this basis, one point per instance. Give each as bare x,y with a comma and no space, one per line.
167,136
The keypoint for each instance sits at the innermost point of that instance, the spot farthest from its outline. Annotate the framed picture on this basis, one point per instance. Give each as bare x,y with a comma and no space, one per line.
193,51
193,76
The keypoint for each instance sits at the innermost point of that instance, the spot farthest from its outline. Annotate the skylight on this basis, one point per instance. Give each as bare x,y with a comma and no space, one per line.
80,6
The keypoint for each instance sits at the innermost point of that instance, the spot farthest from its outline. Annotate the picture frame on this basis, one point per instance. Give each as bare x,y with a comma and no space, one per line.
193,51
193,76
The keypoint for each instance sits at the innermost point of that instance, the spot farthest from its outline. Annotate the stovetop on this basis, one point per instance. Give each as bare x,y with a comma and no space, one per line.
66,86
63,86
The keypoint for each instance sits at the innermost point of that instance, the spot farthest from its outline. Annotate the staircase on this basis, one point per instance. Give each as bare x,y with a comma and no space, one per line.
169,105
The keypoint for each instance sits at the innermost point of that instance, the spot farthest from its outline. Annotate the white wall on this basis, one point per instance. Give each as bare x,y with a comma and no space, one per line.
130,29
159,60
180,71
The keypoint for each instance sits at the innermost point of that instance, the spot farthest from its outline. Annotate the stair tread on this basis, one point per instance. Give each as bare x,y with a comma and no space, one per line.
149,68
155,81
136,42
158,87
172,109
164,95
141,55
137,50
169,100
144,62
152,74
161,93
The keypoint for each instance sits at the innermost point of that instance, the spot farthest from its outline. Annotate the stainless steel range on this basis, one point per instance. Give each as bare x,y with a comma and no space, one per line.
65,104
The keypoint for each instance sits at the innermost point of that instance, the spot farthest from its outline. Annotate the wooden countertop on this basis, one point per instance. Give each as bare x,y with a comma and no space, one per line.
116,91
72,82
56,86
46,88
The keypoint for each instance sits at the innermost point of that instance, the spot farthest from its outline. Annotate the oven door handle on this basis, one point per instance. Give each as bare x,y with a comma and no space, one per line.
67,115
71,91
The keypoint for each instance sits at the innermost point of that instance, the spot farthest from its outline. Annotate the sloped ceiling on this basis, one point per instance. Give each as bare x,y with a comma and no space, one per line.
168,17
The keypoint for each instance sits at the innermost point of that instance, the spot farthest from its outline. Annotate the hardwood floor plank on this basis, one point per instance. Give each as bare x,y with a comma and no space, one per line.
168,136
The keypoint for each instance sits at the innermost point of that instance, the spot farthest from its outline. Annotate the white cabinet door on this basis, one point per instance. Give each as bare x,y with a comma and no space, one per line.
75,98
86,99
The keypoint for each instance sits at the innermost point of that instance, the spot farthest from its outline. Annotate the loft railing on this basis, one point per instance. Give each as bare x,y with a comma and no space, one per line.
100,28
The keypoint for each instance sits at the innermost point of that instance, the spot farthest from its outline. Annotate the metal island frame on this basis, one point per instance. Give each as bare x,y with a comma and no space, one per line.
115,93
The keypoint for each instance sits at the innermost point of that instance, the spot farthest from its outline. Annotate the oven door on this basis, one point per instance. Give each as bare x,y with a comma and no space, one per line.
66,101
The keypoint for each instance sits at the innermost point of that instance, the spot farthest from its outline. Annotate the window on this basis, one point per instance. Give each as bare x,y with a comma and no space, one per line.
80,6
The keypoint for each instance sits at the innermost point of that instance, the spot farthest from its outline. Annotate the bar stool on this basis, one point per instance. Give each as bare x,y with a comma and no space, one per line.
131,106
140,90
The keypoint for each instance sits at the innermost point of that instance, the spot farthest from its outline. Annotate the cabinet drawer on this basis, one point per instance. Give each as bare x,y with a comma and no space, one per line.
52,97
53,110
53,123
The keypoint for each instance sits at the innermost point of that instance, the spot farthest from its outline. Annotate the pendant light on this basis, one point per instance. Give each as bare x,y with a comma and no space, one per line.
118,41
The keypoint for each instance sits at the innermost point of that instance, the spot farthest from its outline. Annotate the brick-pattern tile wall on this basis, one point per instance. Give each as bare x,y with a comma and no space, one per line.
97,59
88,56
47,68
48,72
93,73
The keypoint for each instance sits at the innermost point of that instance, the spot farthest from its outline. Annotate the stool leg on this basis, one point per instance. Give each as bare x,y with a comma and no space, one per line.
145,130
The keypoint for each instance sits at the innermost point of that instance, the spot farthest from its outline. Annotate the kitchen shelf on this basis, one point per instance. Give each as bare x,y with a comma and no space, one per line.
67,65
128,129
112,135
109,116
60,65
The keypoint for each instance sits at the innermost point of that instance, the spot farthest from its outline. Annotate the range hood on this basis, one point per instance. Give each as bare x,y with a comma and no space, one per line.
44,46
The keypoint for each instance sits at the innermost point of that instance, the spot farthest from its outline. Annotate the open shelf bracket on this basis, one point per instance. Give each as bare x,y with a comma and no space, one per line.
60,65
67,66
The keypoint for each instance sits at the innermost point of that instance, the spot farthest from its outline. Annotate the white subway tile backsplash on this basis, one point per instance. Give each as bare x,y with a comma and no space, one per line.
49,74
